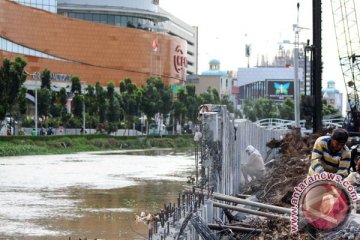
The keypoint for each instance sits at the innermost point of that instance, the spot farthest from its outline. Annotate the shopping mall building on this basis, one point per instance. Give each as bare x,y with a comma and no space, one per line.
98,41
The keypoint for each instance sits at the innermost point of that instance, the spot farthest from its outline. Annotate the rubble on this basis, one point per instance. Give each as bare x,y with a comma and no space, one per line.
262,209
282,175
286,171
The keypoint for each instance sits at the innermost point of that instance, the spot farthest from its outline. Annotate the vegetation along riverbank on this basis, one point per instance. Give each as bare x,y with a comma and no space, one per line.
30,145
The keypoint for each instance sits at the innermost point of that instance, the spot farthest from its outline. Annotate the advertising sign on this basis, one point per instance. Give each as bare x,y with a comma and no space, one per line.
180,61
280,89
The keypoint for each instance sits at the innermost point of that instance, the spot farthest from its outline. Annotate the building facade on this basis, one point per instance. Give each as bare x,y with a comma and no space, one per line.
176,27
91,50
47,5
276,83
332,96
140,14
222,81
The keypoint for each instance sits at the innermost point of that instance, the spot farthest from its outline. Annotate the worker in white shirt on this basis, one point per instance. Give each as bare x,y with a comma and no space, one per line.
255,166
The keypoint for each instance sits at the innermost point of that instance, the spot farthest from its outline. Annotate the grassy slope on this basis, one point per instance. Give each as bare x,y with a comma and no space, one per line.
29,145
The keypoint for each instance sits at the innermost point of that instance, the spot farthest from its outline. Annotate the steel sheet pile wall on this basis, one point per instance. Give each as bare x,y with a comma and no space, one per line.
226,186
217,149
221,147
223,154
249,133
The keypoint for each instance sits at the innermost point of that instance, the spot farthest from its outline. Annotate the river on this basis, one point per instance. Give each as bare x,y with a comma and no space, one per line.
87,195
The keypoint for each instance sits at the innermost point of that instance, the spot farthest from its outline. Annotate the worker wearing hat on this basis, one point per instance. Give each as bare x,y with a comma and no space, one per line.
324,202
330,154
255,165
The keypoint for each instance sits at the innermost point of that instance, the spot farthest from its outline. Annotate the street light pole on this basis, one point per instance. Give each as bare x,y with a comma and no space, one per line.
83,115
36,112
296,73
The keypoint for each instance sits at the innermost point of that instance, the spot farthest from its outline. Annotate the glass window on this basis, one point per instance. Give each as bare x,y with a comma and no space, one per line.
53,9
111,19
26,50
79,15
96,17
71,14
87,16
32,52
2,44
9,46
123,21
117,20
48,5
103,18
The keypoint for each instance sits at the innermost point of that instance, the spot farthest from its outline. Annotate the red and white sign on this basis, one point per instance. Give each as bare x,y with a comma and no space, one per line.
155,45
180,61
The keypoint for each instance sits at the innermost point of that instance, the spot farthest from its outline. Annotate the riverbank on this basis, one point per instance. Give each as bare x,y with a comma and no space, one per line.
30,145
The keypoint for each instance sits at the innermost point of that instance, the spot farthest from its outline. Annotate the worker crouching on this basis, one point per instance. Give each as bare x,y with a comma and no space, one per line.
254,168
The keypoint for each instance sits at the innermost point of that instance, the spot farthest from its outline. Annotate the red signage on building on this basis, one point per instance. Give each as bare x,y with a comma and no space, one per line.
180,62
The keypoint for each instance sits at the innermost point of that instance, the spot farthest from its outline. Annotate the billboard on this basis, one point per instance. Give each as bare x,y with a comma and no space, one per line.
280,89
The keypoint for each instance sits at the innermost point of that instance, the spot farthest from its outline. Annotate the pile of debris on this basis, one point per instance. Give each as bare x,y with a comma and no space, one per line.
286,171
282,175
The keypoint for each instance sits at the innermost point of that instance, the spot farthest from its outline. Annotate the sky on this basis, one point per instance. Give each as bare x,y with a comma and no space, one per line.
226,26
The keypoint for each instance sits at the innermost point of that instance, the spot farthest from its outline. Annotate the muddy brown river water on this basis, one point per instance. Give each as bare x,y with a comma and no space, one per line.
87,195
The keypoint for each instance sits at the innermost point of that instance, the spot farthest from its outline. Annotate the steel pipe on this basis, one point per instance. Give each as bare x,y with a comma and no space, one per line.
234,228
249,211
228,198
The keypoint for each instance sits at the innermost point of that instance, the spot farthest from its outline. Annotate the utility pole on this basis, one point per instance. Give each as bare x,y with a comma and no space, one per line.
296,72
247,52
36,111
317,66
83,113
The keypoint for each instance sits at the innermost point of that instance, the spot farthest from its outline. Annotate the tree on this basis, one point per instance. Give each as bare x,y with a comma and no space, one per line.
22,100
78,99
77,104
75,85
286,109
62,96
114,111
101,100
211,96
225,100
192,103
156,97
12,76
46,79
90,101
260,108
248,109
329,110
130,96
179,110
55,106
110,89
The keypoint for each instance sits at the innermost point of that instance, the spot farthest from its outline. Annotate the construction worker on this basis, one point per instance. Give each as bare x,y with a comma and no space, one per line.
255,166
330,154
324,202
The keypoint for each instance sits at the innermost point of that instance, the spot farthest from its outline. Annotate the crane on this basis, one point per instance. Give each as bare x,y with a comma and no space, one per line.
348,45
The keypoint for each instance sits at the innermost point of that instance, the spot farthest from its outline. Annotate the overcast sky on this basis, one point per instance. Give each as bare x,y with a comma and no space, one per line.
226,26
